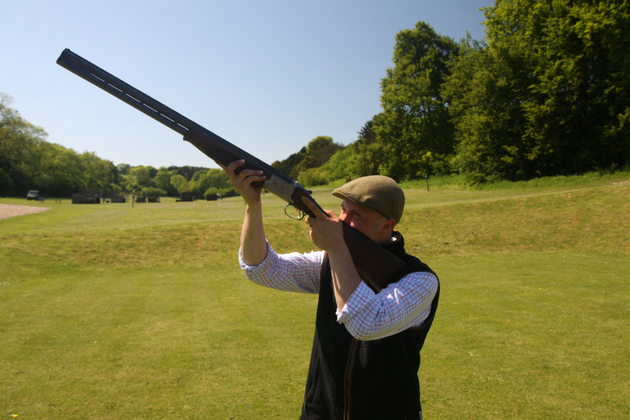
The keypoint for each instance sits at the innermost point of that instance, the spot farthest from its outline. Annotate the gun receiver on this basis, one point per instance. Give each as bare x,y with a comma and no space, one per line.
376,266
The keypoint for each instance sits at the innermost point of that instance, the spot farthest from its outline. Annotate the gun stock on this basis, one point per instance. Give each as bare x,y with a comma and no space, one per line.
376,266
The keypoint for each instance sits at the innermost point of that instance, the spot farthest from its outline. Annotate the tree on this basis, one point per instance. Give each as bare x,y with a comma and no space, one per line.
187,172
140,176
315,154
219,179
162,180
415,117
180,183
360,158
152,171
62,172
486,93
28,161
580,101
19,150
153,192
367,152
290,165
318,152
202,181
99,173
547,93
123,168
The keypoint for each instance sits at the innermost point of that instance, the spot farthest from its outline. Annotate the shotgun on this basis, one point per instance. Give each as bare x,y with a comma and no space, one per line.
376,266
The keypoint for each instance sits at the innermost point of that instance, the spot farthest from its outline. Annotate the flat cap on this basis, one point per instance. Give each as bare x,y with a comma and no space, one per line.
376,192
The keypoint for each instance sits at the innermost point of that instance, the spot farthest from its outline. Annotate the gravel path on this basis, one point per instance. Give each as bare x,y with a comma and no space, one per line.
8,210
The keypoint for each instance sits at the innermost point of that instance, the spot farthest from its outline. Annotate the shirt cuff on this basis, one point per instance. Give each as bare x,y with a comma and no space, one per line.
357,300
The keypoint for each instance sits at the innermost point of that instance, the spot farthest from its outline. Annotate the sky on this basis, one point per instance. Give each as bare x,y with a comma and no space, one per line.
268,76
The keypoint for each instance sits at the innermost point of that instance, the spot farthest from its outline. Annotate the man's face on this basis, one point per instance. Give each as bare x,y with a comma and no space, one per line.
367,221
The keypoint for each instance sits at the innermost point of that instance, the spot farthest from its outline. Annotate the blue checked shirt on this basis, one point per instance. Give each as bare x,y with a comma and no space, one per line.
366,315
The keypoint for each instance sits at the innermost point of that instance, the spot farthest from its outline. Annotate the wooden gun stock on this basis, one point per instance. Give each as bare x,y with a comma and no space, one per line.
375,265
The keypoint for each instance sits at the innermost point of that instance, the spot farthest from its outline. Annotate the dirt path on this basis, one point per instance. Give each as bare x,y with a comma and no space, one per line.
8,210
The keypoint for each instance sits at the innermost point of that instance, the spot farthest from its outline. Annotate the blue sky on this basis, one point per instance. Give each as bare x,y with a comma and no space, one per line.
267,76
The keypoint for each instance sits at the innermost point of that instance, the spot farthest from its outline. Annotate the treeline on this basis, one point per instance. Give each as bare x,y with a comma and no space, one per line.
545,93
29,162
174,180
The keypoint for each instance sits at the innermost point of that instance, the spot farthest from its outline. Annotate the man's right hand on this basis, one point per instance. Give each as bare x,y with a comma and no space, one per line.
243,182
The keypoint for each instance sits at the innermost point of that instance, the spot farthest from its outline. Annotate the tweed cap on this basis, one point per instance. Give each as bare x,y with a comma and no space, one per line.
376,192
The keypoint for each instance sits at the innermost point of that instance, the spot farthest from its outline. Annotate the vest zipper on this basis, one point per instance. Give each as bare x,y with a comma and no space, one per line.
347,383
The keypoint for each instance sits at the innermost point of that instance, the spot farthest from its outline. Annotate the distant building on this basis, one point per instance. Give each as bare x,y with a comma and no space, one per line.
187,196
88,196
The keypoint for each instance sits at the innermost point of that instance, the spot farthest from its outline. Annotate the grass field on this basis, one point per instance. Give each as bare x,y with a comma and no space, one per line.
110,311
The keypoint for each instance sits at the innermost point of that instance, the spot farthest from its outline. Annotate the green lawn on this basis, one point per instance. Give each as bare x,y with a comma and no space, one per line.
110,311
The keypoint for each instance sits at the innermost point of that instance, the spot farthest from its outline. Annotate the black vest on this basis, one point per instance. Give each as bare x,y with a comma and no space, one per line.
364,380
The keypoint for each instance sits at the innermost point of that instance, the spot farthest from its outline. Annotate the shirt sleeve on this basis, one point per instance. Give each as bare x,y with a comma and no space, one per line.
294,272
401,305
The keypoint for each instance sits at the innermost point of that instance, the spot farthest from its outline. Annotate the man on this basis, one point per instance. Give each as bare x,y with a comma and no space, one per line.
365,357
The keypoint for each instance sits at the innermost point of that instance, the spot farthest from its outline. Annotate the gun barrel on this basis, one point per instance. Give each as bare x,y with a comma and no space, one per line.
125,92
155,109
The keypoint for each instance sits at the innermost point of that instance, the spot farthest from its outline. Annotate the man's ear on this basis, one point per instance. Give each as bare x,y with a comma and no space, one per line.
389,224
